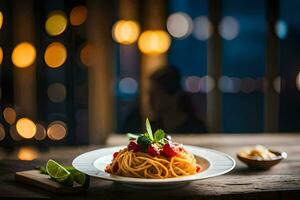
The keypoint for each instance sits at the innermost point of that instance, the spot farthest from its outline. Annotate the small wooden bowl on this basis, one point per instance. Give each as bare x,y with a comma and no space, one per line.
262,164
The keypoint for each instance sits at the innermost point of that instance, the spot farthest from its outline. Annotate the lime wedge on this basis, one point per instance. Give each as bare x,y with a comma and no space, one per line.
59,173
65,174
79,177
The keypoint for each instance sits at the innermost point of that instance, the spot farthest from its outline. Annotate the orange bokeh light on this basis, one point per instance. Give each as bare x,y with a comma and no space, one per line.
126,31
154,42
40,132
55,54
26,128
88,54
1,19
57,130
27,153
1,55
78,15
23,55
9,115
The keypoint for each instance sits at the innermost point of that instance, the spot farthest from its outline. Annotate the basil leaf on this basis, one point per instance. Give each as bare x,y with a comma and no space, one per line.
143,141
134,136
159,135
42,169
149,130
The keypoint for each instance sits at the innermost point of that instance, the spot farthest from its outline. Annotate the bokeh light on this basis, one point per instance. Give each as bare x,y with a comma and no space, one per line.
154,42
27,153
1,55
277,84
236,84
2,132
261,85
55,54
10,115
14,134
23,55
224,84
57,130
128,85
248,85
207,84
88,54
192,84
229,85
26,128
179,25
229,28
125,31
203,28
56,23
281,29
40,132
78,15
1,19
57,92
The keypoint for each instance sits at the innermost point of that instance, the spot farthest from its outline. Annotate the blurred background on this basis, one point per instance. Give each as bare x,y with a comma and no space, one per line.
74,71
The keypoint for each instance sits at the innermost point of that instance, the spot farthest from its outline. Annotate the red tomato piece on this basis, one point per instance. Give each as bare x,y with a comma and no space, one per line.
152,150
133,146
168,150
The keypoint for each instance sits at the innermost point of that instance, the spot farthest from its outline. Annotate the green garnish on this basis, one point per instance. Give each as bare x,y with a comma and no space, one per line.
132,136
159,137
66,175
59,173
149,130
42,169
144,141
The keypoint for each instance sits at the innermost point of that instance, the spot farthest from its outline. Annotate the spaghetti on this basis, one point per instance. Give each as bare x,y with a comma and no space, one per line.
153,156
141,165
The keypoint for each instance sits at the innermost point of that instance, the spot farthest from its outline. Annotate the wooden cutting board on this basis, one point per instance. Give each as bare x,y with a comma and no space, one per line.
35,178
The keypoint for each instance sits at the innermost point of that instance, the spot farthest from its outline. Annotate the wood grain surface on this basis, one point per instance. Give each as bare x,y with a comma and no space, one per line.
280,182
36,179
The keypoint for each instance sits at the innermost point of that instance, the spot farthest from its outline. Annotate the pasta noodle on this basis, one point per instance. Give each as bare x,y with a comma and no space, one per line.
141,165
154,156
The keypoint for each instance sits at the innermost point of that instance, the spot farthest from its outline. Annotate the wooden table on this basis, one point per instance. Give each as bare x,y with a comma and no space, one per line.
280,182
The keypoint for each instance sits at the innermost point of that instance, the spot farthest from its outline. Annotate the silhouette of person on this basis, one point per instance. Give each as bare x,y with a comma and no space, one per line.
172,108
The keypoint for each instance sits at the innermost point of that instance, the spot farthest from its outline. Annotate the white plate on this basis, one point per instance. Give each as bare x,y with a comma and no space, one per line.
213,163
